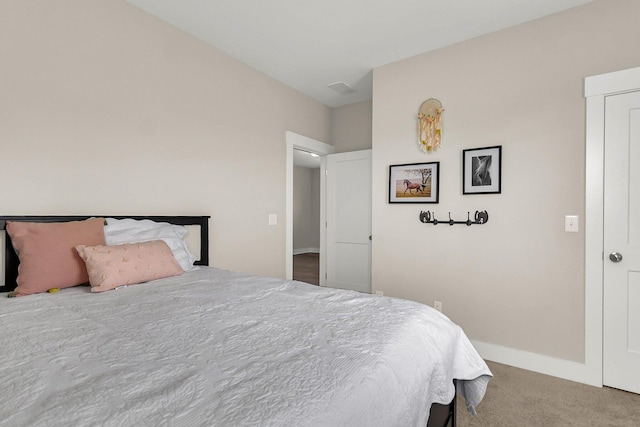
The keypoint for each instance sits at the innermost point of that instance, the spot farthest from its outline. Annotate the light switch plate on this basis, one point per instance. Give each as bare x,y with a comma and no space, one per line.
571,223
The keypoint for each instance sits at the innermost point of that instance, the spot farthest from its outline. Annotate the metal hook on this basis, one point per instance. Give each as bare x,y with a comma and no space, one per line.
481,217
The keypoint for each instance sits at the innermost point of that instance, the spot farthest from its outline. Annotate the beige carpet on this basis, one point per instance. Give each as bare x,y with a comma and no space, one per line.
516,398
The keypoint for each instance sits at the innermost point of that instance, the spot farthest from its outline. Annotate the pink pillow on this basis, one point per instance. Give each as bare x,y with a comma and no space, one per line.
128,264
47,257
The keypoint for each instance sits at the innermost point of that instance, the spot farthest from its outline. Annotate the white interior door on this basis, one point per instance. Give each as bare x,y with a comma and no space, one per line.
348,220
621,355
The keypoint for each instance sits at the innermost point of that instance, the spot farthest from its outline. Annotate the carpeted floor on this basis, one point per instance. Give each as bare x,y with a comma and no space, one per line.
519,398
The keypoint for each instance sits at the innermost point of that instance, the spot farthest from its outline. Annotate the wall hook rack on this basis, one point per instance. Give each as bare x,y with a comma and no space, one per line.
481,217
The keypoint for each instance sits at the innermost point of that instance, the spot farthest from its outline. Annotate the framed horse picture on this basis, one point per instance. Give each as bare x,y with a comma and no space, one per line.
482,170
414,183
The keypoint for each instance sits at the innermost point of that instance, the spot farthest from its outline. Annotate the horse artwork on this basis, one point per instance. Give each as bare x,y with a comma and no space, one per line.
408,187
414,183
412,186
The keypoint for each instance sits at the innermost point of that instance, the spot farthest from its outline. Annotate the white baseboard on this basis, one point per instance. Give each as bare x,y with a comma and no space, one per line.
306,251
565,369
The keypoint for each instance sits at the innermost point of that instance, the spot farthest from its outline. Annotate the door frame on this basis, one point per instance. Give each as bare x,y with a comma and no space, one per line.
301,142
596,89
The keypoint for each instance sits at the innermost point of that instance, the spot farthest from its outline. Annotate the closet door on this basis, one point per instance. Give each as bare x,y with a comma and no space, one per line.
621,363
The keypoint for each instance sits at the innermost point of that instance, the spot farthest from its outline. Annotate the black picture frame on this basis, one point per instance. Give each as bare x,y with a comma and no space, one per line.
482,170
414,183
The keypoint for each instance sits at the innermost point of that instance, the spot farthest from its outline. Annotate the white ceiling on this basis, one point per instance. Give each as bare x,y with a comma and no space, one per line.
305,159
310,44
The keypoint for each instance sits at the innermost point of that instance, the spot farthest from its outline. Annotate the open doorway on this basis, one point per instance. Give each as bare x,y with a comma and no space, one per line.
298,145
306,216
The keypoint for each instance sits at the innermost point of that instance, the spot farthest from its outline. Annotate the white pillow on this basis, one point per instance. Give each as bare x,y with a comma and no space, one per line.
121,231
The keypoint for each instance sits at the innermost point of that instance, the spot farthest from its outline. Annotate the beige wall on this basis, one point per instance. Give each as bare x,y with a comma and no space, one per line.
351,127
518,281
306,209
105,109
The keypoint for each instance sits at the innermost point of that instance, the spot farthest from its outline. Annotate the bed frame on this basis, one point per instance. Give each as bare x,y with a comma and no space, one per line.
443,415
11,260
440,415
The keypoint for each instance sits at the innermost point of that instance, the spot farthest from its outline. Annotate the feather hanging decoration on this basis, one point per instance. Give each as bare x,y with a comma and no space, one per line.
430,125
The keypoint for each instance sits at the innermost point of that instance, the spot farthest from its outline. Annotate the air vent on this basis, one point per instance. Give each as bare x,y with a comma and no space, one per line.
341,87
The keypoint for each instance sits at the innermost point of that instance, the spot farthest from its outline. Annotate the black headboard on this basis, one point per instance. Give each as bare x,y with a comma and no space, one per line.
11,259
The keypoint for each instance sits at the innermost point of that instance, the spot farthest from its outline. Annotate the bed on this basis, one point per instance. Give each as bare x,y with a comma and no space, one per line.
211,347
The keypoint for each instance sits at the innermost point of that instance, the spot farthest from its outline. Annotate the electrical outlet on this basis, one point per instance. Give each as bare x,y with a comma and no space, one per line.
438,305
379,293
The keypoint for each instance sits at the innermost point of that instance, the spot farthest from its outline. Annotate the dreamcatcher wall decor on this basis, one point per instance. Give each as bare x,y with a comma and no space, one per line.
430,125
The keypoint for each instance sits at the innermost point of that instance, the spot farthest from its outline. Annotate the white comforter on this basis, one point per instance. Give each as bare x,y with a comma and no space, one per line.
218,348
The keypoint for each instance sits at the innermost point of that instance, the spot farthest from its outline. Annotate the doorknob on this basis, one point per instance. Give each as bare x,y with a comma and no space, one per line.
615,257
